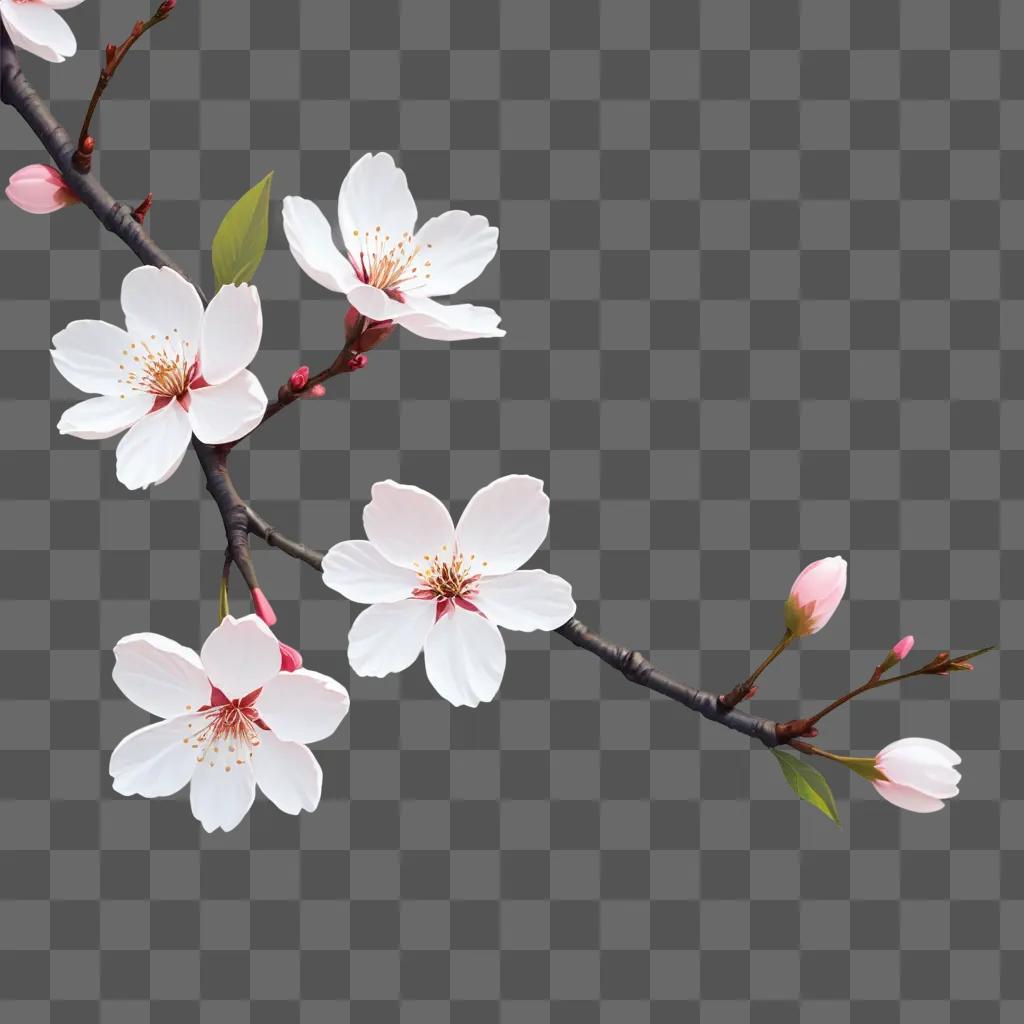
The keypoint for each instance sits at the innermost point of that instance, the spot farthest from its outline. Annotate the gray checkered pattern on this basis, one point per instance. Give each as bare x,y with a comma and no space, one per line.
762,269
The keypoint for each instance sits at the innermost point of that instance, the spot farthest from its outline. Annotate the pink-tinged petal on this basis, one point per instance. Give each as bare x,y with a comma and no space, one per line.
815,595
303,706
156,760
360,573
288,774
39,29
464,655
388,638
39,189
908,799
160,675
61,5
240,656
90,354
161,306
226,412
375,304
222,794
104,416
951,757
407,525
504,524
525,600
901,649
38,172
375,201
438,322
154,447
232,329
313,248
454,249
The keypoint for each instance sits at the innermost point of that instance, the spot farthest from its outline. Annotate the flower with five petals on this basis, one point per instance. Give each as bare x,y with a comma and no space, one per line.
233,718
392,271
35,25
444,589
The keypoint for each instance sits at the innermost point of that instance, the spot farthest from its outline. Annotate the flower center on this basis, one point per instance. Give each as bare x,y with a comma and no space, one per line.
447,577
164,369
231,733
387,264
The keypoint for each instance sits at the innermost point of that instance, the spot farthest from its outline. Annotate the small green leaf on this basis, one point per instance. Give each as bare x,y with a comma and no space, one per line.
808,784
241,239
223,608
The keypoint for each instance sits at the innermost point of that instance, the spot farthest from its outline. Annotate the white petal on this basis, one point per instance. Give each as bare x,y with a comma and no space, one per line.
39,29
927,774
232,328
375,195
241,655
313,248
438,322
526,600
222,794
159,675
288,774
225,412
504,523
156,760
464,656
62,5
458,247
90,354
951,757
908,799
388,638
154,447
303,706
359,572
160,303
104,416
375,304
407,524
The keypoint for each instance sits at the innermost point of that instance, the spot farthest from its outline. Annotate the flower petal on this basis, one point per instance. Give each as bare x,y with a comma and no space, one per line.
438,322
309,238
288,774
104,416
38,189
61,5
359,572
225,412
222,794
951,757
232,328
464,656
375,304
303,706
159,304
458,246
241,655
406,524
160,675
90,355
526,600
39,29
154,447
375,201
908,799
504,523
388,638
927,774
156,760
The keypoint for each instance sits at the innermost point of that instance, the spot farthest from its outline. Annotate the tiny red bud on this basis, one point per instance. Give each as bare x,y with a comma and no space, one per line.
140,211
262,607
290,658
111,52
357,362
88,145
138,28
299,379
317,391
166,7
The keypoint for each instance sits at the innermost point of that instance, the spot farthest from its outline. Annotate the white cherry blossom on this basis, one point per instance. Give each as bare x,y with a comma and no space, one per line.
232,718
176,370
391,271
35,25
919,774
444,589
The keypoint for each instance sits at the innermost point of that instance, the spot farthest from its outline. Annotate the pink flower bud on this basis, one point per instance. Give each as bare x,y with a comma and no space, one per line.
317,391
903,648
39,189
299,379
357,362
919,774
815,595
262,607
290,658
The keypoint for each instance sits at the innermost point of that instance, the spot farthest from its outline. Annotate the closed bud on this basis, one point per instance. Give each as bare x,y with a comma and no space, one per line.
357,362
317,391
299,379
899,651
111,52
290,658
815,595
262,607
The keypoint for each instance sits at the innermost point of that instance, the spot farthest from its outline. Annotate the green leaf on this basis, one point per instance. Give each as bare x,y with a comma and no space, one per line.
241,239
223,608
808,784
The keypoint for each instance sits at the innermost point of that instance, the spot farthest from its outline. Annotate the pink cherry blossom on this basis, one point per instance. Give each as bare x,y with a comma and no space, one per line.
35,26
919,774
815,595
39,189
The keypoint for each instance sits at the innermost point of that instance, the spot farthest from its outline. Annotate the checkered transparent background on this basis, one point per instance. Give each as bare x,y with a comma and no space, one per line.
762,270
